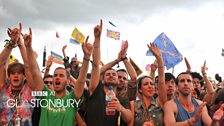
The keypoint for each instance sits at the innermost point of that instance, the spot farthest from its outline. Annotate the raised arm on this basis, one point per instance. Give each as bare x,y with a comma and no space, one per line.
95,75
63,51
210,88
162,95
3,59
29,79
35,71
79,86
66,58
153,68
14,35
131,71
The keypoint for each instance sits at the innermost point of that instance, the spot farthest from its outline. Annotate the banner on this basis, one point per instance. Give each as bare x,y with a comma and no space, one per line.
56,58
171,56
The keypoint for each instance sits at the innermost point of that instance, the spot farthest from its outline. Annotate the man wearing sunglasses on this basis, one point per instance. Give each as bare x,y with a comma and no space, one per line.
48,81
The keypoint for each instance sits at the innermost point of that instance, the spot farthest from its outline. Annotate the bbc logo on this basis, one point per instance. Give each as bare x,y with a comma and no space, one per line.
39,93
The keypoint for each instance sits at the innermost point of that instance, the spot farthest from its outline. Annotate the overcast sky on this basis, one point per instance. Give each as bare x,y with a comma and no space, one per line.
196,27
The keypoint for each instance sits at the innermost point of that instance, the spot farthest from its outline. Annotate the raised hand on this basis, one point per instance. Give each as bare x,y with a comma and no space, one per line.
204,68
154,66
187,65
28,38
15,33
87,48
154,49
49,62
98,29
123,52
64,47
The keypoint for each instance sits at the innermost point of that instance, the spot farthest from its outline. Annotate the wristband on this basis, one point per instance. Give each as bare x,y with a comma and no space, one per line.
97,46
204,75
10,44
159,67
87,59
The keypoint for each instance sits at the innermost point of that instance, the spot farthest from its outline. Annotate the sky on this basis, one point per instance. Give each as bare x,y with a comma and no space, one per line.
196,27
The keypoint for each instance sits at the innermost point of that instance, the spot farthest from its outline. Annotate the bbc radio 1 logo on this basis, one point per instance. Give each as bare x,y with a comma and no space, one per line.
39,93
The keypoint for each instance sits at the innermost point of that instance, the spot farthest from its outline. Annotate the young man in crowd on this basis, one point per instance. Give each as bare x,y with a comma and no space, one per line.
171,86
15,96
96,115
185,110
60,113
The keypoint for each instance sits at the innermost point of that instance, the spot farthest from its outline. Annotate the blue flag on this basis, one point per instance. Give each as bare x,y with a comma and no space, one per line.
171,56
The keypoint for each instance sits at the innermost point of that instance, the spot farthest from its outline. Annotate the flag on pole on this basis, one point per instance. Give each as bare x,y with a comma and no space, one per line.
113,34
77,37
171,56
57,58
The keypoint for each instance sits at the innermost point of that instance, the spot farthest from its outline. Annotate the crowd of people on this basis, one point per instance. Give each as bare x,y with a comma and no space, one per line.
73,97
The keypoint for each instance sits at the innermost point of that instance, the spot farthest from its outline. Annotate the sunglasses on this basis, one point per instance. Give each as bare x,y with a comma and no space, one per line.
48,82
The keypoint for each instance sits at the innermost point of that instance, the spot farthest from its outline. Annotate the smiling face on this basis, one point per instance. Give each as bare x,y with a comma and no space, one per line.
110,77
147,87
60,80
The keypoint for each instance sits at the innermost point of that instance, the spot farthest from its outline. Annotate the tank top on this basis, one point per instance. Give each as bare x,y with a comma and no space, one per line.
183,115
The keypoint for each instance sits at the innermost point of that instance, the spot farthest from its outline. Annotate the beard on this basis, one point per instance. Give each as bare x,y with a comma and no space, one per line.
184,93
110,84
